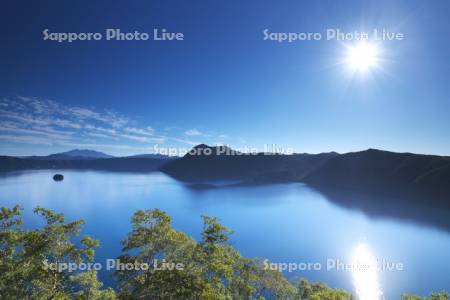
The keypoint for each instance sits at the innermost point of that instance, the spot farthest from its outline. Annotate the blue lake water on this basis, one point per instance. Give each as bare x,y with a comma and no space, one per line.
290,223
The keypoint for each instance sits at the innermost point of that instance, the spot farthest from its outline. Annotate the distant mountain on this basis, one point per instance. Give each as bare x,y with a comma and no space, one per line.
79,154
85,153
76,154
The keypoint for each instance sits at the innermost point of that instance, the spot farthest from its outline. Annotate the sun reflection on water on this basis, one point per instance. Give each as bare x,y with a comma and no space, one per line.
365,274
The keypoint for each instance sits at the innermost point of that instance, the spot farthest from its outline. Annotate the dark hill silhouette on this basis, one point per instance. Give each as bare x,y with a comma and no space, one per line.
214,163
426,177
387,173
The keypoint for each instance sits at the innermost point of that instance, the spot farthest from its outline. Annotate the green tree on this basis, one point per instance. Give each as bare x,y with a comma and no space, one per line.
212,269
153,239
443,295
319,291
23,273
89,287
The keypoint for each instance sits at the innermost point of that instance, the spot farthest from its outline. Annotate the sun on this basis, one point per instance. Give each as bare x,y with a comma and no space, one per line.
362,57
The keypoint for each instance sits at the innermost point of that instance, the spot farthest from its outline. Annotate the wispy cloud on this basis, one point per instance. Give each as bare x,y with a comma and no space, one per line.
193,132
142,131
185,141
147,149
25,139
101,135
138,138
43,132
30,120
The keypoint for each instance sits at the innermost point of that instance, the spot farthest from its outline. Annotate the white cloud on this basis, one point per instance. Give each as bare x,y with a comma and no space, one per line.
101,135
142,131
40,121
138,138
24,139
193,132
67,123
42,132
185,141
111,131
110,146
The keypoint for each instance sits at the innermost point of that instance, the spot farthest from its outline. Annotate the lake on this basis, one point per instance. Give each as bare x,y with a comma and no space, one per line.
285,223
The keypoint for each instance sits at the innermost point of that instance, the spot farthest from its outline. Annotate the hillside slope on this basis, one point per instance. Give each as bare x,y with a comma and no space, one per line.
224,163
386,173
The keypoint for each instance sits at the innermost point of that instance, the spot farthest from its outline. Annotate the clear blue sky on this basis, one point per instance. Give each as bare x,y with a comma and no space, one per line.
223,83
